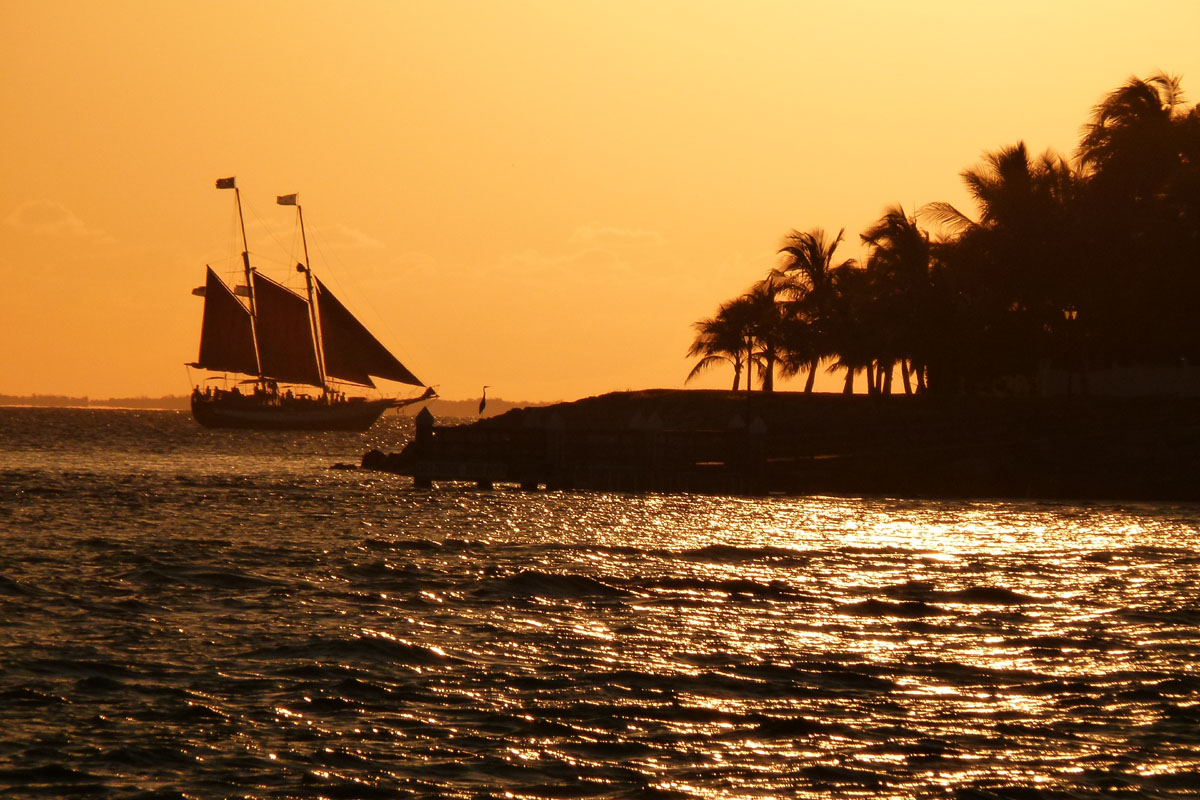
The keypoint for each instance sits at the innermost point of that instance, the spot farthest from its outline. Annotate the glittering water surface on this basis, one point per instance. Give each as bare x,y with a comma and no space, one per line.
188,613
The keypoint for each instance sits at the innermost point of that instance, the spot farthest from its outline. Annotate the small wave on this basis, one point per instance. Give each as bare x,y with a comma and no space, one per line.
882,550
730,554
1184,780
1183,685
988,596
809,679
130,605
927,591
27,696
535,583
369,648
362,690
837,776
1067,641
1183,718
966,674
852,680
84,667
187,711
47,775
911,590
228,578
99,543
1185,616
148,576
909,609
380,569
332,703
680,713
357,789
1058,687
613,751
97,685
161,574
403,545
15,588
793,727
153,756
734,587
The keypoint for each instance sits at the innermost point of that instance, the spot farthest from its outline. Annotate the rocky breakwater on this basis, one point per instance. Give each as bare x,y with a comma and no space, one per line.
738,443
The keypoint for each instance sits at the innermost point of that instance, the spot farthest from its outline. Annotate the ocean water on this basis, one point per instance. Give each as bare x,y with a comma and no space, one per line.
190,613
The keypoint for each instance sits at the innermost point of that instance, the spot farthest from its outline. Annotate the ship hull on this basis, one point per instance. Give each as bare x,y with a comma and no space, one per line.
245,413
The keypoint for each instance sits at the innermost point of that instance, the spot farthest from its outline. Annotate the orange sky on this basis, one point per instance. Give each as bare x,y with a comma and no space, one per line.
539,196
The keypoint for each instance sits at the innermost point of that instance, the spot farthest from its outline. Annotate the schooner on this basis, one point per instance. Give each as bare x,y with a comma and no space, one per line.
278,337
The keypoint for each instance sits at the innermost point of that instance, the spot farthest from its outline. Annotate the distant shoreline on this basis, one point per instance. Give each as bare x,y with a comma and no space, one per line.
441,408
164,403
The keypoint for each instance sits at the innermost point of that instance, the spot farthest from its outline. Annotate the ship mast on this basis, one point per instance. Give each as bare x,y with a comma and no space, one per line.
231,183
294,200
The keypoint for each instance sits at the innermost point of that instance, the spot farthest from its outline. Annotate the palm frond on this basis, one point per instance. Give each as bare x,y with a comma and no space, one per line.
706,363
947,216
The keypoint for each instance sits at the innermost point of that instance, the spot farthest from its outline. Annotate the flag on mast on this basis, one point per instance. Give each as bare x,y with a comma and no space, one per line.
288,199
226,183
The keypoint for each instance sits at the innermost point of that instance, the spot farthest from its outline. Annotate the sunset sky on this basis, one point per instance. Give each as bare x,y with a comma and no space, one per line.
538,196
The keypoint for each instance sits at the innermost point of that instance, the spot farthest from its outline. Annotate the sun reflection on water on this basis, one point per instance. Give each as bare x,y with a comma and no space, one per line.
459,643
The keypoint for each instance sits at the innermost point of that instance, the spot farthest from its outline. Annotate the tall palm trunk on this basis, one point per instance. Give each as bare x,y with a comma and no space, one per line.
812,376
749,344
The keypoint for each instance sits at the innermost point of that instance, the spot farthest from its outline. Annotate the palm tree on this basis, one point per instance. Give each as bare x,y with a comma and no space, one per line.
770,322
810,267
898,267
1133,139
851,326
722,339
1008,272
1010,190
1142,150
801,342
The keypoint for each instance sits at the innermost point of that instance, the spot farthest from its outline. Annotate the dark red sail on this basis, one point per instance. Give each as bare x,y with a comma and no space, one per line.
351,352
226,338
285,342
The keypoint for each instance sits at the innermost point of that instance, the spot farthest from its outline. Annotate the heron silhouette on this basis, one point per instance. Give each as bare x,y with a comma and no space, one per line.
483,401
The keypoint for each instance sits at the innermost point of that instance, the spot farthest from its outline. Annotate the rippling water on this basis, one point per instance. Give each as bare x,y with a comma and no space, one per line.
188,613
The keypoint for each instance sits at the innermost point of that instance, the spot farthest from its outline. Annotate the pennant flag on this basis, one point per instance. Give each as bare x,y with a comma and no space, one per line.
288,199
226,183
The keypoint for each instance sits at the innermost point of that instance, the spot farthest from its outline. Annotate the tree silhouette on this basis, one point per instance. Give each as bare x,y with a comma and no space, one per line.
1005,273
1091,260
898,270
768,322
1142,152
722,339
810,267
1134,139
852,328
